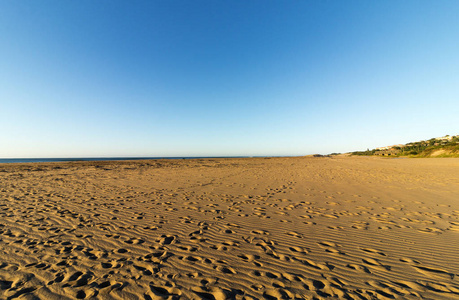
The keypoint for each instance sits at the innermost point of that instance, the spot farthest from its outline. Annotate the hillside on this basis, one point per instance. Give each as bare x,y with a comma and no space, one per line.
447,146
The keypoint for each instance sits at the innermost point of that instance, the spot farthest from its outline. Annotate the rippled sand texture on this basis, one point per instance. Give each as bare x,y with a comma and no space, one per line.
278,228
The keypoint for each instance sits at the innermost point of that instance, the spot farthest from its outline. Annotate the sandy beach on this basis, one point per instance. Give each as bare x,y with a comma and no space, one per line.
252,228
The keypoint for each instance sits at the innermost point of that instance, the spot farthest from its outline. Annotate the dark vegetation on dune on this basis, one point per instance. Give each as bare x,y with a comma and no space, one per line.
447,146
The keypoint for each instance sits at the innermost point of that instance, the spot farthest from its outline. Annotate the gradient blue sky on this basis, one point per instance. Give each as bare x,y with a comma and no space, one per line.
210,78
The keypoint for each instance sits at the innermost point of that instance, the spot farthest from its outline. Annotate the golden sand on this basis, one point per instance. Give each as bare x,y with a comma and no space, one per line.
278,228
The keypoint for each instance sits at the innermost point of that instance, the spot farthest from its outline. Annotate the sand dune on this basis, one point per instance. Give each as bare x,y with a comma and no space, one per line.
277,228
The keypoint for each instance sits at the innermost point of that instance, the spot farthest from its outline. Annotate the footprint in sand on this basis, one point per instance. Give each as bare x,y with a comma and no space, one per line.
122,251
315,265
358,268
310,223
306,217
257,287
206,281
249,257
335,227
166,239
260,232
328,244
157,256
219,247
213,293
231,243
373,251
375,263
431,230
274,294
146,270
360,225
188,248
331,247
330,216
164,291
299,249
224,269
134,241
295,234
190,258
409,260
384,227
110,265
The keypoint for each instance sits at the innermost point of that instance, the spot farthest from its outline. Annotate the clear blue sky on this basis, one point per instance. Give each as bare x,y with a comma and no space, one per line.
210,78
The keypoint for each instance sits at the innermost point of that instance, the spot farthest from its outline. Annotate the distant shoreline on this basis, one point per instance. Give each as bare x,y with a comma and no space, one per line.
77,159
